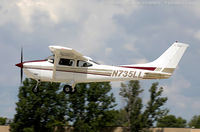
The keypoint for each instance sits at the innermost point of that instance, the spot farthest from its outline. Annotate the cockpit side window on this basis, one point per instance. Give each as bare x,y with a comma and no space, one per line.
66,62
81,63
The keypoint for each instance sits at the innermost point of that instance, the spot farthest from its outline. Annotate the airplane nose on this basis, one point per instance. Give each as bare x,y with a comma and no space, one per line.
19,65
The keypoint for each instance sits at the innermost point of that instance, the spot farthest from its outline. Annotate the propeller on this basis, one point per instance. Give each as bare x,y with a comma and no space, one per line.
21,70
21,66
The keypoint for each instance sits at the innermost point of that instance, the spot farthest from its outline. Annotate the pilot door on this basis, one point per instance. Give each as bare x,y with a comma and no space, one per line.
65,69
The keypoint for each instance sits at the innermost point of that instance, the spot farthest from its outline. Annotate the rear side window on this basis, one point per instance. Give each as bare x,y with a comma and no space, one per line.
66,62
83,64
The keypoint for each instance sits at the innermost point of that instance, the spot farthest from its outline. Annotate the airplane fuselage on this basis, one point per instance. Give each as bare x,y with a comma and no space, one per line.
43,70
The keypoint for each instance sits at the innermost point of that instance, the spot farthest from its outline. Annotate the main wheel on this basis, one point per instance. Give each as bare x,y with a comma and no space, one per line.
67,89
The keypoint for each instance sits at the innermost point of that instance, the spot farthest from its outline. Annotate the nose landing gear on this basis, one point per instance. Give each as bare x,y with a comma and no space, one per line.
36,89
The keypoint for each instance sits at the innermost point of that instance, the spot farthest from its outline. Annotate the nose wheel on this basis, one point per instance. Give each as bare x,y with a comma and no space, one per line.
67,89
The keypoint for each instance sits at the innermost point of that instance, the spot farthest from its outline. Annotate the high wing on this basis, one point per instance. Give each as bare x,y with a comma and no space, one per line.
68,52
60,52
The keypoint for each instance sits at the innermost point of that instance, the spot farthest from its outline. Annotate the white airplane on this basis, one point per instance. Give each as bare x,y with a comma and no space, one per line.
71,67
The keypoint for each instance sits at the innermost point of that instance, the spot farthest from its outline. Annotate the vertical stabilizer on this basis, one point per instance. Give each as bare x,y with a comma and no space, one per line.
168,61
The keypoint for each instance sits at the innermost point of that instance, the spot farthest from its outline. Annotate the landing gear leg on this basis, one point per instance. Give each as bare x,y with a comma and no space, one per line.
73,88
36,89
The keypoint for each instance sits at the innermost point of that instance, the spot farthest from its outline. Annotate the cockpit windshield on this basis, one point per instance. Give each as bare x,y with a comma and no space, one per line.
50,58
95,62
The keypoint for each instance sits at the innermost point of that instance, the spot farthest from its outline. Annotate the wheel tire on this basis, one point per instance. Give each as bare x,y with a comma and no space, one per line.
67,89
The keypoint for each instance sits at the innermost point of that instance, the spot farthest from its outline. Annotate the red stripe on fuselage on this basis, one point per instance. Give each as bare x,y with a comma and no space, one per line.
142,68
34,61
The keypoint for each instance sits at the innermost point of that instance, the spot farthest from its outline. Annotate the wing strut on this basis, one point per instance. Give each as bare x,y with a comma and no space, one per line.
55,65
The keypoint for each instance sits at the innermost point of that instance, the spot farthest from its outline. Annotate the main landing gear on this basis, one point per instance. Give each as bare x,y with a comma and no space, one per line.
67,89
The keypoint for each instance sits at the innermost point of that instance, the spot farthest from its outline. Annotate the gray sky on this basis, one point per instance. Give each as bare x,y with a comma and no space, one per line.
110,31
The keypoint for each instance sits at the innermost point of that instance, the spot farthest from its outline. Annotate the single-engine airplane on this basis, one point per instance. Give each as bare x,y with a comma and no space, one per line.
71,67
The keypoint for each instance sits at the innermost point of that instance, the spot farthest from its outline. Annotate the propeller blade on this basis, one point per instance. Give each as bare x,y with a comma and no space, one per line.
21,71
21,76
21,54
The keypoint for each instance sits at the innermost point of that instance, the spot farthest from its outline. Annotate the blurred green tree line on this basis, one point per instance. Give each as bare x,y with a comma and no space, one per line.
91,108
